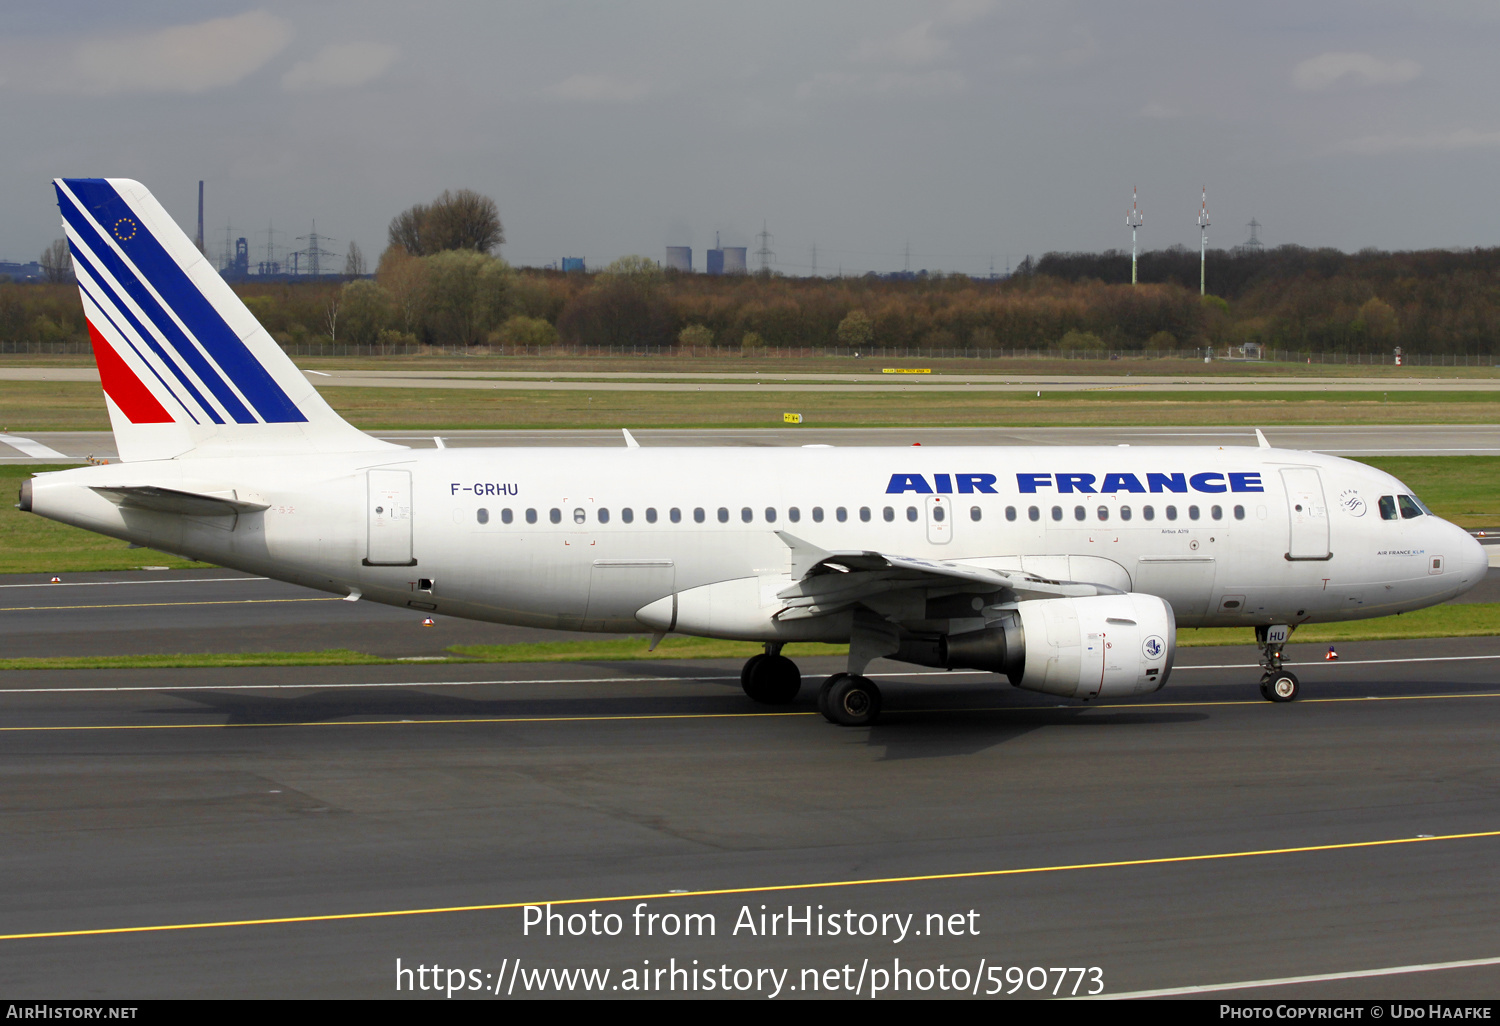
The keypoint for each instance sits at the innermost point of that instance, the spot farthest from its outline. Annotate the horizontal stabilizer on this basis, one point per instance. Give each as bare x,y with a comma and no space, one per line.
170,500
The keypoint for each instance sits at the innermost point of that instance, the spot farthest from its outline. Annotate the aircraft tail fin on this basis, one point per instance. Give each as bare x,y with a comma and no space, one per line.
187,370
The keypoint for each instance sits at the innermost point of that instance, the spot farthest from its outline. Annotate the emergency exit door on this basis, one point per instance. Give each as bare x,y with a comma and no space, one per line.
388,513
939,519
1307,511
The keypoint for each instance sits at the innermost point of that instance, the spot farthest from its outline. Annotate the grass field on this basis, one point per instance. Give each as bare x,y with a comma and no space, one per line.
1476,620
76,406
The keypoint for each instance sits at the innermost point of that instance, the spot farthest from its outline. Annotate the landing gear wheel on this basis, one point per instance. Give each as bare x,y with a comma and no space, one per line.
771,679
849,700
1280,687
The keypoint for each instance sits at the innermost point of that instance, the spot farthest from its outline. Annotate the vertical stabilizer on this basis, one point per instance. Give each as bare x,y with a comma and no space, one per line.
186,368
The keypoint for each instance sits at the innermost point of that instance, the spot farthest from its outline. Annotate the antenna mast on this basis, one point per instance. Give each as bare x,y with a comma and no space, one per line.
1134,219
1203,252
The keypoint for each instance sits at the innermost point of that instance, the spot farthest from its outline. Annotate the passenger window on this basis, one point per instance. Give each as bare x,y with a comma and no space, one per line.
1217,512
1171,512
770,514
864,514
1239,512
650,514
746,514
1124,512
889,514
792,513
1148,512
603,515
506,516
483,515
841,514
1103,512
1034,513
555,515
817,514
911,513
1056,512
675,515
1192,512
1388,507
531,516
723,514
1010,512
698,515
579,516
627,515
1079,513
939,514
1409,508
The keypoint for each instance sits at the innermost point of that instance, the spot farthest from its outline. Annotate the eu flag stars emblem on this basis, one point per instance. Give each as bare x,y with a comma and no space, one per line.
125,229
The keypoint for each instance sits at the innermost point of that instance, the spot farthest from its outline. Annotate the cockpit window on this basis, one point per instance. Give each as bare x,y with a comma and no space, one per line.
1387,507
1409,507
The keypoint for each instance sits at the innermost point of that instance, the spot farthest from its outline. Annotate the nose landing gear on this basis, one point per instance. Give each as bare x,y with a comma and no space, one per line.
1276,684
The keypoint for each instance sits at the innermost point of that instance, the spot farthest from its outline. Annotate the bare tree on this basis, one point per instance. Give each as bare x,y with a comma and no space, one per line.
354,263
57,262
331,314
455,220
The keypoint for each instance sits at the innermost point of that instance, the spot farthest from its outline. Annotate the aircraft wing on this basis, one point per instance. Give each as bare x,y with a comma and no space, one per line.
831,582
172,500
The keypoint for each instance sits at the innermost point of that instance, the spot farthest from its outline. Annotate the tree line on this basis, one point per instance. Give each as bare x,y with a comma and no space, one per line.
439,282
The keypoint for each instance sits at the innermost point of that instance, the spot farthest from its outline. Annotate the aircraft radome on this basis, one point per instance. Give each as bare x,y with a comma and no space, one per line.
1067,570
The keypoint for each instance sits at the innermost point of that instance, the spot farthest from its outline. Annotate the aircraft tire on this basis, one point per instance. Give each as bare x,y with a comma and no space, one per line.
748,669
850,700
1281,687
771,680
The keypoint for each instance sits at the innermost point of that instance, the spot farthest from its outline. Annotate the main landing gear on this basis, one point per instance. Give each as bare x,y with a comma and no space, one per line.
1276,684
848,699
771,679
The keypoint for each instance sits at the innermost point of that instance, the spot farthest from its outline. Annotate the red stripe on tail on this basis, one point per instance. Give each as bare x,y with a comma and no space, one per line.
120,383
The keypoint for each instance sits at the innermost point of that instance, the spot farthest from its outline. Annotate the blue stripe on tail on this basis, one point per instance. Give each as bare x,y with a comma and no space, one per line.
190,306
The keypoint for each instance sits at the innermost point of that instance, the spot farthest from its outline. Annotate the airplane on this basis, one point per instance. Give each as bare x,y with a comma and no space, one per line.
1067,570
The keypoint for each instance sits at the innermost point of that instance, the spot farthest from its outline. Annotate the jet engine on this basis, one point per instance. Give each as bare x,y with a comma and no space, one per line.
1101,646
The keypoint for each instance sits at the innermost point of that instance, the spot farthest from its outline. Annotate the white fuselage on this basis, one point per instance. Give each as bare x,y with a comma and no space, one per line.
1229,537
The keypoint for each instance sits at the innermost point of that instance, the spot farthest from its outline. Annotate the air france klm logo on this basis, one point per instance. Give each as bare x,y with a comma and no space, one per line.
1210,482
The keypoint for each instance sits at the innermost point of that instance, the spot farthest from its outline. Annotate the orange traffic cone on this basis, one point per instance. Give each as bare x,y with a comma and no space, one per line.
1332,655
428,621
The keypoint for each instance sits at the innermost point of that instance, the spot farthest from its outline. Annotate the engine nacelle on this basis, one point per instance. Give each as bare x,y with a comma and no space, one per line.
1101,646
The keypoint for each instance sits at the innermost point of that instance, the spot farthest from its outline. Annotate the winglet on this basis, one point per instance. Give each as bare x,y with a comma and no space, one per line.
1261,438
630,442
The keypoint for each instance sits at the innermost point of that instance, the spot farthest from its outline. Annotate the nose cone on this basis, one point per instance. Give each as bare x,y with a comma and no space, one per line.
1468,561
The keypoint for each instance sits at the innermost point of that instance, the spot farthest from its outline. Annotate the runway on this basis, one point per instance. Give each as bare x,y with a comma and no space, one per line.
1198,836
1349,440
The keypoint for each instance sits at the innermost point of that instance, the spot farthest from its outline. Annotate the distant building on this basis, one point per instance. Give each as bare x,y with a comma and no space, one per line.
21,272
680,258
716,261
734,259
573,264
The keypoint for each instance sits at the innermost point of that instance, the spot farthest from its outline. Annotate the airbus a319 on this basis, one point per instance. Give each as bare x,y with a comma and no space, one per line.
1066,570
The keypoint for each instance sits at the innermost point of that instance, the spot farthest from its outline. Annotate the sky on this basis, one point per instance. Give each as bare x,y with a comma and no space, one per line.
941,134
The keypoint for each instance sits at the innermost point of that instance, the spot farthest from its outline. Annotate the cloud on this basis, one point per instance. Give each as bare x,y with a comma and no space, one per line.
180,59
1434,142
962,12
341,65
1361,69
914,47
845,84
1160,111
598,89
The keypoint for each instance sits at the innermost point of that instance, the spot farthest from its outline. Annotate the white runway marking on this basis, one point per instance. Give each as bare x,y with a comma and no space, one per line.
1284,981
31,447
1342,662
100,584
